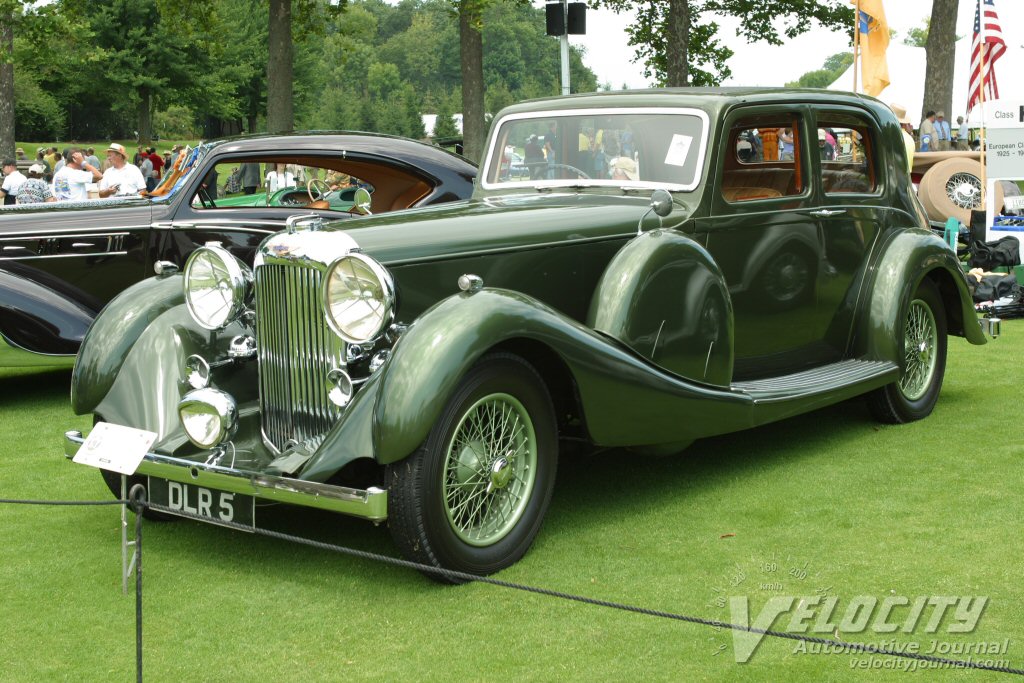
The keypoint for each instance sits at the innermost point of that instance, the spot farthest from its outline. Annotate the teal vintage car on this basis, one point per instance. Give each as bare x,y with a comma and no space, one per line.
665,272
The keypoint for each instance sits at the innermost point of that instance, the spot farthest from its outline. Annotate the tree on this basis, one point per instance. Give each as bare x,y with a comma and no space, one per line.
832,69
444,126
37,22
675,38
940,51
472,62
280,115
918,37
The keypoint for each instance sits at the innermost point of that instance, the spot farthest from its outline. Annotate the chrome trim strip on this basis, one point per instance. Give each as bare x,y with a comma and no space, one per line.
371,503
597,111
82,255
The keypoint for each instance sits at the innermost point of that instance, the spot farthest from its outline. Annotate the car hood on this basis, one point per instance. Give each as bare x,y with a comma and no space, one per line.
491,224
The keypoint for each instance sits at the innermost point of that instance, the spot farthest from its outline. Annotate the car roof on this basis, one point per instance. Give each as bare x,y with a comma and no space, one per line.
709,99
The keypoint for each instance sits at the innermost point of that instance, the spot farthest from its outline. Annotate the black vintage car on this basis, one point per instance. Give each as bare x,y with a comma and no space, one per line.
60,263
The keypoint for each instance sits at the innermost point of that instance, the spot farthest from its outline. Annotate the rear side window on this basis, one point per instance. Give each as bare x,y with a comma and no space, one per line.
765,159
847,153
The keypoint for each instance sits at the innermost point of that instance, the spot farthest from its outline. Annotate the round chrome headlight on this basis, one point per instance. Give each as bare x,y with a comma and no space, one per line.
359,298
216,286
209,416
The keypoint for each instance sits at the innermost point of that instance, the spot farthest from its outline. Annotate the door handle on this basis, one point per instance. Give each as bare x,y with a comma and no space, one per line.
825,213
83,245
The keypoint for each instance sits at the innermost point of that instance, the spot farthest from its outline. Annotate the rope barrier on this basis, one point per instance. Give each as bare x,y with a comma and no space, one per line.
138,503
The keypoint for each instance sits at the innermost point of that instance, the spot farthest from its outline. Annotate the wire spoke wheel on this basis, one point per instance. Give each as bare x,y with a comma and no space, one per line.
964,190
475,493
489,469
919,344
913,395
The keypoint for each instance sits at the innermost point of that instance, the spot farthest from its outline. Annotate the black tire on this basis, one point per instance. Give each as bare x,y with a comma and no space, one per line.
892,404
424,488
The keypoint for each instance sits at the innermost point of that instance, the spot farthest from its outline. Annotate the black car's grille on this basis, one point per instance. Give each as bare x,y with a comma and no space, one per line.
296,351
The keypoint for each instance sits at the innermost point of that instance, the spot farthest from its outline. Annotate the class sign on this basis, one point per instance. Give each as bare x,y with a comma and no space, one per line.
1004,143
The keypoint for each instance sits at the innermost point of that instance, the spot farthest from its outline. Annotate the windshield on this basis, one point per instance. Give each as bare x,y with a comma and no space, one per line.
182,168
608,147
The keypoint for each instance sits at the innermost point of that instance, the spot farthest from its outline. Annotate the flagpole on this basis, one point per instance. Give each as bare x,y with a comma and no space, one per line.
856,43
981,101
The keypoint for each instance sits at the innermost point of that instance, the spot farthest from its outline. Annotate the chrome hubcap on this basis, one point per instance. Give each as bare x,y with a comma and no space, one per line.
919,343
489,470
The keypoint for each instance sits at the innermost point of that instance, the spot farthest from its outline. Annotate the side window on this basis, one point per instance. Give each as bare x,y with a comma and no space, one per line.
269,182
764,159
847,154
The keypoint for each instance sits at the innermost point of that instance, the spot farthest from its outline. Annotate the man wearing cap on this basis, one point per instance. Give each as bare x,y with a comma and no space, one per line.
905,127
942,131
13,180
121,178
825,149
35,190
20,154
70,181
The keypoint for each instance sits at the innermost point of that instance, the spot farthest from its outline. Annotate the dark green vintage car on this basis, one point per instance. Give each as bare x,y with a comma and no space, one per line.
675,264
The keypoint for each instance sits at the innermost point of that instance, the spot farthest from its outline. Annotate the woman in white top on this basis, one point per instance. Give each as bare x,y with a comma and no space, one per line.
279,179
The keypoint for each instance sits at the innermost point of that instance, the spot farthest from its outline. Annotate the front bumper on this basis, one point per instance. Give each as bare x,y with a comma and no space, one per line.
371,503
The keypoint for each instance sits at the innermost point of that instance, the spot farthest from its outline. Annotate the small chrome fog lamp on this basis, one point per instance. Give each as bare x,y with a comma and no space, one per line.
197,372
209,416
339,387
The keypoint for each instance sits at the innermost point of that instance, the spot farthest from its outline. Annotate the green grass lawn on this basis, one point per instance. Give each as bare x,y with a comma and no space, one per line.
853,508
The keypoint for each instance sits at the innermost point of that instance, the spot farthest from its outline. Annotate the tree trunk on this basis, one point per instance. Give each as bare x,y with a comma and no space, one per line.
280,116
472,58
145,120
941,51
7,87
677,71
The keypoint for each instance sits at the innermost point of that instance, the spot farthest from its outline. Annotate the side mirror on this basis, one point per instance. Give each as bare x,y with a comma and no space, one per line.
661,202
361,200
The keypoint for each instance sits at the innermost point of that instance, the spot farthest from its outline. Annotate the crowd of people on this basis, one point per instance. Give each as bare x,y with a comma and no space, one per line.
77,174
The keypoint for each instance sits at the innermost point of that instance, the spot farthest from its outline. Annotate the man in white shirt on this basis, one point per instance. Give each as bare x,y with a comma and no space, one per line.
13,180
121,178
70,181
962,135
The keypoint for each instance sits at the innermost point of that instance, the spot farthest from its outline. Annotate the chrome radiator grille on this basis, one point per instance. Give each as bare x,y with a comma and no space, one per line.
296,351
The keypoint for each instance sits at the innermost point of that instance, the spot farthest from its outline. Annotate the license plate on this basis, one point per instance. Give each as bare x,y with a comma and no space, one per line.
212,505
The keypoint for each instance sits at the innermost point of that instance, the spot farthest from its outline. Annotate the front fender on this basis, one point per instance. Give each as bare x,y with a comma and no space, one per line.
114,332
625,399
908,258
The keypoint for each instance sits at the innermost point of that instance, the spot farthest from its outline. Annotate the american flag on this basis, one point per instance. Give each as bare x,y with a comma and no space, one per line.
994,49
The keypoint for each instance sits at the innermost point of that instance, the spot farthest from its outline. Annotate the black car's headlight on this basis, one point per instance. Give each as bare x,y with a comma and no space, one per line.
359,298
217,286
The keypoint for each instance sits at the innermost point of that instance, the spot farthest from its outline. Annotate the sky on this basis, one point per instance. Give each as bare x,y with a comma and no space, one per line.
608,55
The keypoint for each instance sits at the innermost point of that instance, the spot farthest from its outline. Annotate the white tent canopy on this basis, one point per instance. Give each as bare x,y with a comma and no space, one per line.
907,67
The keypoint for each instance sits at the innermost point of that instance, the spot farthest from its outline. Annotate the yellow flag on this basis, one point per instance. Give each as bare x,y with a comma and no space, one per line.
874,41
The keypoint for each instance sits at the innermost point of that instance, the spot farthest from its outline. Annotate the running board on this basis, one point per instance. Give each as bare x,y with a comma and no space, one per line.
836,381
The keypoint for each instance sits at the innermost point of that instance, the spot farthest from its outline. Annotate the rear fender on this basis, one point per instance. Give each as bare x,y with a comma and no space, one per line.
41,319
909,257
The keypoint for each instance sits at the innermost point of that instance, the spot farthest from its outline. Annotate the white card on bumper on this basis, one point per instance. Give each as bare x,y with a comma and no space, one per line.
115,447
